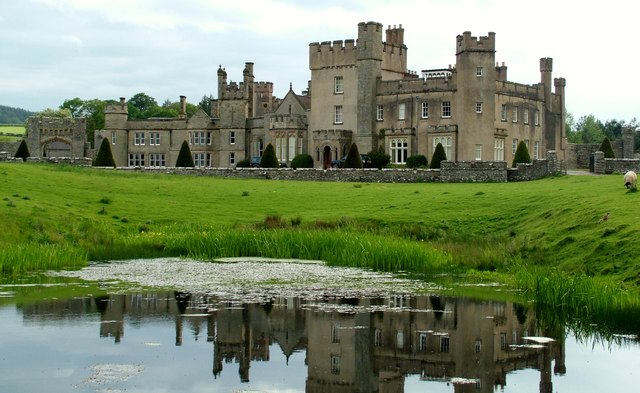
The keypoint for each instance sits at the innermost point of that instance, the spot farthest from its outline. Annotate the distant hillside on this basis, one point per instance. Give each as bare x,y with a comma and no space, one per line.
9,115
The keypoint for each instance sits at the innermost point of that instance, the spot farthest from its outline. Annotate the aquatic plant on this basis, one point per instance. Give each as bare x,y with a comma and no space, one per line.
29,257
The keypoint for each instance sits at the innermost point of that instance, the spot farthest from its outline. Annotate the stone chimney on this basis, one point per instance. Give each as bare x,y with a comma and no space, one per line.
183,107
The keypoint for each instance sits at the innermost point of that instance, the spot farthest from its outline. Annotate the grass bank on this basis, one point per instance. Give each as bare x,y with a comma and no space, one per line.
550,225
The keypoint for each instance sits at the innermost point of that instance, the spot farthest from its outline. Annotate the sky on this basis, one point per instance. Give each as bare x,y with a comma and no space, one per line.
54,50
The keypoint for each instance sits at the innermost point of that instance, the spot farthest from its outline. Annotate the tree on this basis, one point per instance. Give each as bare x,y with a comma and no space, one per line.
63,113
353,159
269,159
104,157
439,155
92,110
606,148
23,151
205,103
302,161
140,105
588,130
522,155
613,129
417,161
185,159
378,158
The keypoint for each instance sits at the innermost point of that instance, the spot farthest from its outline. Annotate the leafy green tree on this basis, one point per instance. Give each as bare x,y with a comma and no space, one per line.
570,127
613,129
588,130
269,159
378,158
92,110
353,159
606,148
302,161
185,159
417,161
140,105
63,113
9,115
439,155
205,103
104,157
522,155
23,151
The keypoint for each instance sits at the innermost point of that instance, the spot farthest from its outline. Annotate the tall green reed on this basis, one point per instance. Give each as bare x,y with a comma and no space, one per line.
28,257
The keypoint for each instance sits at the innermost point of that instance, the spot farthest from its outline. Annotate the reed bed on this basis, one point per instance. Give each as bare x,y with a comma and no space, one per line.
336,247
29,257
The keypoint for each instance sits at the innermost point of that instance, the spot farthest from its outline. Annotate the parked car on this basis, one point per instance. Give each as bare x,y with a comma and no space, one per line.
366,162
255,162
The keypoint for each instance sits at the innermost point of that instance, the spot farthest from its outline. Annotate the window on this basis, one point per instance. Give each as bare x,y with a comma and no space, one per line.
232,158
536,117
478,152
380,112
446,109
514,337
503,340
514,146
447,143
113,137
136,159
425,110
335,333
338,85
536,150
422,343
498,153
232,137
199,138
399,339
399,150
337,114
292,147
478,107
478,346
401,111
154,139
503,112
138,139
526,143
478,71
157,160
525,116
444,344
201,159
514,114
377,338
335,364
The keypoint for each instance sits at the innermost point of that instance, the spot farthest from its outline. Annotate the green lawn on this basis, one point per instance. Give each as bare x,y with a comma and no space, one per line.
554,222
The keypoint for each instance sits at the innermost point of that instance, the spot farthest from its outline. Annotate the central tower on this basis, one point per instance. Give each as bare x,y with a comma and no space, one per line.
369,70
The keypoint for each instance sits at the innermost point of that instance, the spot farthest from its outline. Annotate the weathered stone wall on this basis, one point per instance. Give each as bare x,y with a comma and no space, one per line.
524,172
578,155
473,171
9,147
51,160
621,165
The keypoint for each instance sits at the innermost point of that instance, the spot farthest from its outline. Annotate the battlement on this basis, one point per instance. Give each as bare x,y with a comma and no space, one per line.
468,43
546,64
330,53
119,108
519,89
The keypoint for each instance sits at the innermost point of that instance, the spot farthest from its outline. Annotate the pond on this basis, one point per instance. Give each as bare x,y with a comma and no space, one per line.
256,326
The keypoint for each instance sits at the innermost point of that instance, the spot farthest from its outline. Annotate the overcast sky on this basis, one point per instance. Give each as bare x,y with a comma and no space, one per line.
52,50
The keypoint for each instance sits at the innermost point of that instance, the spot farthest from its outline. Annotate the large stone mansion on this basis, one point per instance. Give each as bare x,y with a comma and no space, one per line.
360,91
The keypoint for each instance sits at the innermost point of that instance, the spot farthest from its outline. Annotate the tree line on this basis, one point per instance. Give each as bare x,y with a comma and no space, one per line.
10,115
588,129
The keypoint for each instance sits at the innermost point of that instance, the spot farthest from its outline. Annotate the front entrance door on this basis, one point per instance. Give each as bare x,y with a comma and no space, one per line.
326,157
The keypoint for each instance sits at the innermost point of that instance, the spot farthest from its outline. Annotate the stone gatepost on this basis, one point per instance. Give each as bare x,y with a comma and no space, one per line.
552,162
598,163
627,142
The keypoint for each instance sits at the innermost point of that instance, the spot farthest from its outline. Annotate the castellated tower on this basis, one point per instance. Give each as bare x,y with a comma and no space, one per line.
476,71
369,69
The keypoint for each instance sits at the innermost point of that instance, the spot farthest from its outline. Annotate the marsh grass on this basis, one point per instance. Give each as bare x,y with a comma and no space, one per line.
37,257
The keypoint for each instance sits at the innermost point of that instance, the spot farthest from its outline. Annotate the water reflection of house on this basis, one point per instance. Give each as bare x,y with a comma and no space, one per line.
352,345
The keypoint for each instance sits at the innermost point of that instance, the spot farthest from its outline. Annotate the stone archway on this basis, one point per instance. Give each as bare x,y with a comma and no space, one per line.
326,157
56,147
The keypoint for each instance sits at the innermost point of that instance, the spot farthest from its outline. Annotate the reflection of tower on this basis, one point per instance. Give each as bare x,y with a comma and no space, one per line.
111,315
546,386
233,340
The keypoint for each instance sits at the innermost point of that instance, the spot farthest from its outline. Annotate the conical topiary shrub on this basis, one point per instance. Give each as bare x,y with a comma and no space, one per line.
353,159
23,151
269,159
438,156
104,157
185,159
606,148
522,155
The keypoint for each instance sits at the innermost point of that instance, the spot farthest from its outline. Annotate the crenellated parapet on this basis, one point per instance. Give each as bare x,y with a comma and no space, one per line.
534,92
468,43
327,53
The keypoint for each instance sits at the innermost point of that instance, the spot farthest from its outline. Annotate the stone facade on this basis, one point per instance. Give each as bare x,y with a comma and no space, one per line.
360,91
56,137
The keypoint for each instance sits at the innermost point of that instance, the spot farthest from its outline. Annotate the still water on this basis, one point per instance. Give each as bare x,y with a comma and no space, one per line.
229,339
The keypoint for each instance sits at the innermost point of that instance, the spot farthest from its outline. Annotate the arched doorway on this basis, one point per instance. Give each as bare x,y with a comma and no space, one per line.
326,157
56,147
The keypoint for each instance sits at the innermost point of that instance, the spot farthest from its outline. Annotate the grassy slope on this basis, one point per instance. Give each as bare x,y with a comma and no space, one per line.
555,221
